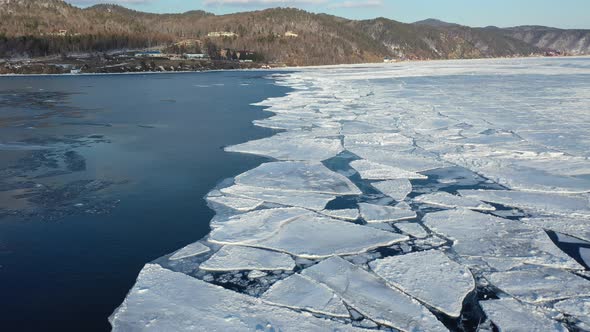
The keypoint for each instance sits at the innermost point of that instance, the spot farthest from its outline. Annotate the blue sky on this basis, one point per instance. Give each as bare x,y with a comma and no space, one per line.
557,13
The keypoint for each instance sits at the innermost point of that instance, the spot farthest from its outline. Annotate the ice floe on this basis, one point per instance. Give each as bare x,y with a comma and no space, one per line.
410,161
412,228
429,276
300,292
298,176
511,316
572,226
397,189
308,200
193,249
542,202
447,200
236,203
234,258
162,300
301,233
496,239
390,141
373,171
291,147
370,296
345,214
373,213
578,308
540,284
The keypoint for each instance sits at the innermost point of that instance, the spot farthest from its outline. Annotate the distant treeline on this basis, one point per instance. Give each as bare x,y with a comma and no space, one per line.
35,46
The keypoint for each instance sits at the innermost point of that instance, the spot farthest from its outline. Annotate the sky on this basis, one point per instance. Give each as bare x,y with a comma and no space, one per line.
502,13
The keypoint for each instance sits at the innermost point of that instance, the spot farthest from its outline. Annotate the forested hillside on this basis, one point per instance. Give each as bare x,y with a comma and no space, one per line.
295,37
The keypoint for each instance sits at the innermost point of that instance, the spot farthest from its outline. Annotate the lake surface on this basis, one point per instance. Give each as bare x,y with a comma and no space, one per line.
101,174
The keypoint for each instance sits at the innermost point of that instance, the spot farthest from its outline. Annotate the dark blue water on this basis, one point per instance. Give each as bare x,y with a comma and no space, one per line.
101,174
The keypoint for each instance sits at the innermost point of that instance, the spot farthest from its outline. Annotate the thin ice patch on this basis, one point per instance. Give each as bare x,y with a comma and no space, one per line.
237,258
578,227
429,276
397,189
510,315
291,147
193,249
236,203
373,171
373,213
543,202
299,292
301,233
298,176
540,284
447,200
308,200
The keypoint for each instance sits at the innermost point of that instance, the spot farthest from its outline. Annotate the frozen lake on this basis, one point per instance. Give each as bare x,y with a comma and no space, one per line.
429,196
101,174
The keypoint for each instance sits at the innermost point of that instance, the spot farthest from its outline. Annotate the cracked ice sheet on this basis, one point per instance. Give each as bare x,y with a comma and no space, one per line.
236,203
572,226
540,284
543,202
410,161
397,189
291,147
308,200
370,296
498,240
578,307
193,249
413,229
237,258
298,176
373,171
394,141
162,300
301,233
520,169
346,214
511,316
379,213
429,276
299,292
447,200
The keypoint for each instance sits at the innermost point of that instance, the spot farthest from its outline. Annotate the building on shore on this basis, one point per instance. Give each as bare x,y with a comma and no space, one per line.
189,43
150,54
196,56
218,34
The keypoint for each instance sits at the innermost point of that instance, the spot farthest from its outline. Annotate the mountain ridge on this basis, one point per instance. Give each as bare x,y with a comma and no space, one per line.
284,35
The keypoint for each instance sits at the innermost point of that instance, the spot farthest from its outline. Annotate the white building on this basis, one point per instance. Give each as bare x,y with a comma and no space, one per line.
217,34
196,56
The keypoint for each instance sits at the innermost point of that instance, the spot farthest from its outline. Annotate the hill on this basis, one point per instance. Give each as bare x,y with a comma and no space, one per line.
572,41
285,35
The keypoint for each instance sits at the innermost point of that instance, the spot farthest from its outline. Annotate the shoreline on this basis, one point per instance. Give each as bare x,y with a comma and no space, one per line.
286,68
